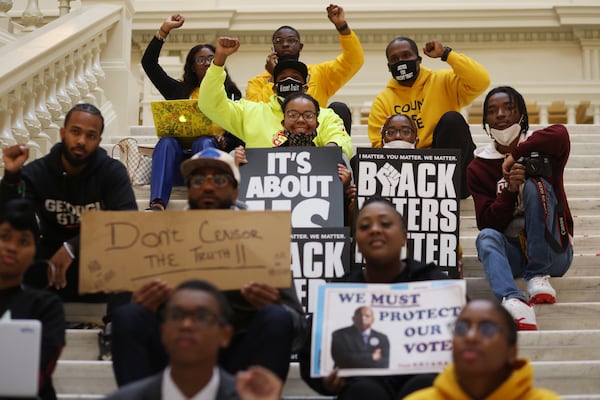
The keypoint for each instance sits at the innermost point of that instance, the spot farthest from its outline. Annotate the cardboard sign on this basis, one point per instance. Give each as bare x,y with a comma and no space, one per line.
424,186
410,331
121,250
303,180
318,255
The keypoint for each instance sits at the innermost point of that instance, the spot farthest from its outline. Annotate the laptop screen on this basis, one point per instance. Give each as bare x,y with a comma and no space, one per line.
20,347
182,119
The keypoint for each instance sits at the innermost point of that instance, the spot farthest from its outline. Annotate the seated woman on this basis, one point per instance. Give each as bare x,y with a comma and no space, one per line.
484,359
380,234
399,131
18,237
300,113
169,151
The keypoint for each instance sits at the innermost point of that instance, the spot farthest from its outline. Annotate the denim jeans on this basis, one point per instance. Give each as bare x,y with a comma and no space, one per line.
166,158
502,256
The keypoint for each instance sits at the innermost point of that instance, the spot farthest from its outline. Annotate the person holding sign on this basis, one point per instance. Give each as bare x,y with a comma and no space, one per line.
170,151
521,205
258,124
359,346
399,131
380,234
19,235
195,327
432,99
267,322
326,77
77,175
485,363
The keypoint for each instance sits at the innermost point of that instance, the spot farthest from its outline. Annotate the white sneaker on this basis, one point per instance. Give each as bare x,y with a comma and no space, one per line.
522,313
540,291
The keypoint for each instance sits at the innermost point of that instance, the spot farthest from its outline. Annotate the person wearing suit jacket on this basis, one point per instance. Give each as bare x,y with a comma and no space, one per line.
359,346
196,326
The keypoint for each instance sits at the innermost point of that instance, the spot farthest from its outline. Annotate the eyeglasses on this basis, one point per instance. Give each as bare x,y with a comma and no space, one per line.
200,317
405,131
486,328
202,59
219,180
291,41
306,115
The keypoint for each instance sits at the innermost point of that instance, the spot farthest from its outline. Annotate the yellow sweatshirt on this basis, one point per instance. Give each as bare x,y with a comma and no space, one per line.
324,79
432,94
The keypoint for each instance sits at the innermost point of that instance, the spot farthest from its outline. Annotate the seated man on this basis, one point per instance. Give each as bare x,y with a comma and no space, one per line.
484,360
195,328
267,323
326,78
258,124
520,205
432,99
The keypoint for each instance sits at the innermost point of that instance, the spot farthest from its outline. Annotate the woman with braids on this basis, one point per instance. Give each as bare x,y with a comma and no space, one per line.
169,151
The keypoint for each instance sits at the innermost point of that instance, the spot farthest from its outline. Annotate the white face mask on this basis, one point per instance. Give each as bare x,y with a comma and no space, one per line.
506,136
399,144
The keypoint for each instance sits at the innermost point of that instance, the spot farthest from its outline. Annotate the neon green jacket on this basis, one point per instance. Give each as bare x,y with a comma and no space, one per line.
325,79
257,123
431,95
518,386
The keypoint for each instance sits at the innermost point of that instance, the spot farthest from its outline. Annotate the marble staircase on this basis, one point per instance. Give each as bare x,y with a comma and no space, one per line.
565,351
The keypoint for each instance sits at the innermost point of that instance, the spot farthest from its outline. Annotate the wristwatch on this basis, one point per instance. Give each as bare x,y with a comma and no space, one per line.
447,51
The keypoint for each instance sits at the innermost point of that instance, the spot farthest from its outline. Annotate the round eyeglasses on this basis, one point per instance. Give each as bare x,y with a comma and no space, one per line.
203,60
306,115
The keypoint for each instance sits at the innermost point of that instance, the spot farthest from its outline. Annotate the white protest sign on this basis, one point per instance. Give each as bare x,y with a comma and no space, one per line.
409,332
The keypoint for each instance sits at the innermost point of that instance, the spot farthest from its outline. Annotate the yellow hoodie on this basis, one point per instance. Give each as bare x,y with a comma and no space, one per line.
518,386
432,94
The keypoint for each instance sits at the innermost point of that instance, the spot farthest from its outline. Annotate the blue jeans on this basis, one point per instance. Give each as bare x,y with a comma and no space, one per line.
502,256
166,158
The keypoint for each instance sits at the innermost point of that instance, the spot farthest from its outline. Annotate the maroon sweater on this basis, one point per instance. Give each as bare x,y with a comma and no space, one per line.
495,210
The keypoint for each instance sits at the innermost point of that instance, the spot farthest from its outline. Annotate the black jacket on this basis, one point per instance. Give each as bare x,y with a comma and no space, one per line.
59,198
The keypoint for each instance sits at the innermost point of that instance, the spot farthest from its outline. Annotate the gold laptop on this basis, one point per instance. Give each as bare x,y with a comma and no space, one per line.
182,119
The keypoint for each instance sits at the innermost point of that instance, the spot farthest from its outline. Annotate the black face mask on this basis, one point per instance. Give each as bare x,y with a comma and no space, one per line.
404,70
288,86
288,57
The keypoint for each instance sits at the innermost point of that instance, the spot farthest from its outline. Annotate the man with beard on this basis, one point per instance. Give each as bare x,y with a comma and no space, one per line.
258,124
75,176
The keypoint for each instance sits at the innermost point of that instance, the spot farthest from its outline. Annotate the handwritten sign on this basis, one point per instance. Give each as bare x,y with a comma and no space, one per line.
121,250
423,185
409,330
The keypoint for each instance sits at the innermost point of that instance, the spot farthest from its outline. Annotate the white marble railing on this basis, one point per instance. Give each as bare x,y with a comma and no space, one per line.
47,71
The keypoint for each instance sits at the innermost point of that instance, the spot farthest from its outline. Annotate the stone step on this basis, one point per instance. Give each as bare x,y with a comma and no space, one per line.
582,266
568,289
584,225
542,345
95,378
568,377
560,345
585,243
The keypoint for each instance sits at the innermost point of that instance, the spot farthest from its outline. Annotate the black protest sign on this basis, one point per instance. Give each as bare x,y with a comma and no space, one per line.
318,255
303,180
424,187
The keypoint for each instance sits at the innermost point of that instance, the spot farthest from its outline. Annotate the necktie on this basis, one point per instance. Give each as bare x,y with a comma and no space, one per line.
365,336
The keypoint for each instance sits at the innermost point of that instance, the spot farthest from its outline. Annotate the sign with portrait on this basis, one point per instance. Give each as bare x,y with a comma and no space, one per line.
380,329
